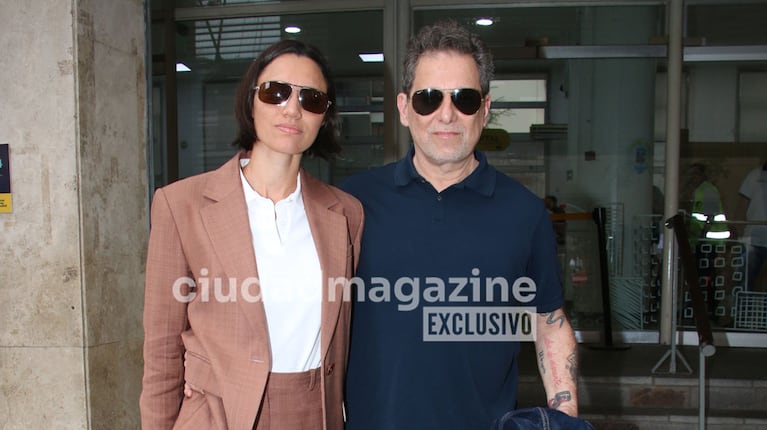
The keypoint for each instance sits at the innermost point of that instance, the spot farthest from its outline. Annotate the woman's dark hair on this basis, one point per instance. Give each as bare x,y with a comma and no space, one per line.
326,144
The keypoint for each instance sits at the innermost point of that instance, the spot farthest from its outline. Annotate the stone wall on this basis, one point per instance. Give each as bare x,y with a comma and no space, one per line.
72,252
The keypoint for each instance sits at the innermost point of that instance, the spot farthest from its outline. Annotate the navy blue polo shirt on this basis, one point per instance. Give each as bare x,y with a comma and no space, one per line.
426,260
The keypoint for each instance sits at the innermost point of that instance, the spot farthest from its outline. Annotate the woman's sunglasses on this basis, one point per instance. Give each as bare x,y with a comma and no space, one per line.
428,100
276,92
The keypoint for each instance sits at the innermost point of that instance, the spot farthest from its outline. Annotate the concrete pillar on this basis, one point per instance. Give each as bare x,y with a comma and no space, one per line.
72,251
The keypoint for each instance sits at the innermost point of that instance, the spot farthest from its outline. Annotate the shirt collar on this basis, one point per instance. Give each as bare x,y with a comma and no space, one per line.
252,196
481,180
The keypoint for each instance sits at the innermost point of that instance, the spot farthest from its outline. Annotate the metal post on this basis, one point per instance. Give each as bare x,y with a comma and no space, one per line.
701,390
600,218
397,31
673,353
671,188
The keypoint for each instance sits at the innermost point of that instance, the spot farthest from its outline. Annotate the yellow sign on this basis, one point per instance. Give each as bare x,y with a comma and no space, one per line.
5,179
6,205
493,139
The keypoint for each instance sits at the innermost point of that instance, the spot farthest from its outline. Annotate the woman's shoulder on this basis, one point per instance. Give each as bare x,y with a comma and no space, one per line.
189,182
226,174
186,191
216,183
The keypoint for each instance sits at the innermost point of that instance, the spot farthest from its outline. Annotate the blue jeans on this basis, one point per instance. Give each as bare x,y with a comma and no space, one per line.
540,419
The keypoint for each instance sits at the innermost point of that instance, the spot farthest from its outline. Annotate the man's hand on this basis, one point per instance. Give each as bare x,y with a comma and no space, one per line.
188,388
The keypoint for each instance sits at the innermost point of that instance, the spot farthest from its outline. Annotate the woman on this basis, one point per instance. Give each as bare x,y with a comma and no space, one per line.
241,267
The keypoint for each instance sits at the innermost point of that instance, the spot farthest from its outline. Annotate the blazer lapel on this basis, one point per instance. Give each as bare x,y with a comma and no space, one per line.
330,233
226,221
228,226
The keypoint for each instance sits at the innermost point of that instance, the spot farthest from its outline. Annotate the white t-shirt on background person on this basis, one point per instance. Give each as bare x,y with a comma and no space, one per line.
754,188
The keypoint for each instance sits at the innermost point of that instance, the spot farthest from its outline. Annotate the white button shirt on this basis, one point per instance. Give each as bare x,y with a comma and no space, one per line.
290,277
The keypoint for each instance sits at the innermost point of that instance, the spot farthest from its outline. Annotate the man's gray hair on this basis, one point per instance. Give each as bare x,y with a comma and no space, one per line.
447,35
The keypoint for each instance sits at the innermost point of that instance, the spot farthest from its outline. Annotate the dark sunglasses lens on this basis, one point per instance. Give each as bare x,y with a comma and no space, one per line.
426,101
314,101
274,92
467,100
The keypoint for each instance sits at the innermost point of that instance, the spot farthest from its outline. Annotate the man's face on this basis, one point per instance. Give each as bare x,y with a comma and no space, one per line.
446,135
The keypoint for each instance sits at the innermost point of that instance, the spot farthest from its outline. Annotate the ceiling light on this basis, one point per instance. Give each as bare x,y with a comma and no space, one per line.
292,29
484,21
181,67
372,58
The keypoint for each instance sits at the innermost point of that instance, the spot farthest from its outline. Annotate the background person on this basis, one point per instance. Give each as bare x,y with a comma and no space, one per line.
704,203
560,227
271,354
443,212
705,206
753,207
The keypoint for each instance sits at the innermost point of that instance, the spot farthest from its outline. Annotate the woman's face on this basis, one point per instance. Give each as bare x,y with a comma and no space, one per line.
287,128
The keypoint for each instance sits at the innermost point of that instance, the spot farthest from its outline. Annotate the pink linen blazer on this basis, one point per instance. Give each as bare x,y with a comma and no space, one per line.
200,230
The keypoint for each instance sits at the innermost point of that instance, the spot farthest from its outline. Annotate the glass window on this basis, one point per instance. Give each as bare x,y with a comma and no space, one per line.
217,51
517,104
519,90
360,103
235,38
728,23
752,107
208,3
581,95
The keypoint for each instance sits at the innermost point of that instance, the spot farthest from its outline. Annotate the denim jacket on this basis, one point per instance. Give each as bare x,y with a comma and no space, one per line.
540,419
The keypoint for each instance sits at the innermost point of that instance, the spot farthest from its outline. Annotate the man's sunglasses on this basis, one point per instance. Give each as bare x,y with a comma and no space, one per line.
276,92
428,100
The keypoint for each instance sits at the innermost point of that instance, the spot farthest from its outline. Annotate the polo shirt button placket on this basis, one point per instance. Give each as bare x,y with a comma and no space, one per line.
439,210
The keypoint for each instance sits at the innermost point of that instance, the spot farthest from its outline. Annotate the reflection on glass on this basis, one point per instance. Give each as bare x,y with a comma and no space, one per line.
208,3
516,120
723,107
235,38
518,90
218,51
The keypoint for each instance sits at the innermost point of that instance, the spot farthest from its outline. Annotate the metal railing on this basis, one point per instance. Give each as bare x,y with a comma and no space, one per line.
599,216
706,346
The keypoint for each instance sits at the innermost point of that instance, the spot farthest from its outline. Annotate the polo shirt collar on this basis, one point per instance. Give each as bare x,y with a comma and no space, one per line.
481,180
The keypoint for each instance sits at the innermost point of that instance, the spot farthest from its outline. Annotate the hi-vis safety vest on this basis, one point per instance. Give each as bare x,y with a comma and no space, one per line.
707,214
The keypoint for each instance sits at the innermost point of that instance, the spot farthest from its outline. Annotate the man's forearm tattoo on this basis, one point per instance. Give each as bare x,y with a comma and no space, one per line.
559,398
553,318
552,360
541,361
572,366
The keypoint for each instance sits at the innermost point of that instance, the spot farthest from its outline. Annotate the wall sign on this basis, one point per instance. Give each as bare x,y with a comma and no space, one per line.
6,205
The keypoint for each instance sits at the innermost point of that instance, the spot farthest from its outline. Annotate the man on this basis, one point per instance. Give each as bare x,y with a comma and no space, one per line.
443,228
560,227
706,208
753,207
706,232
